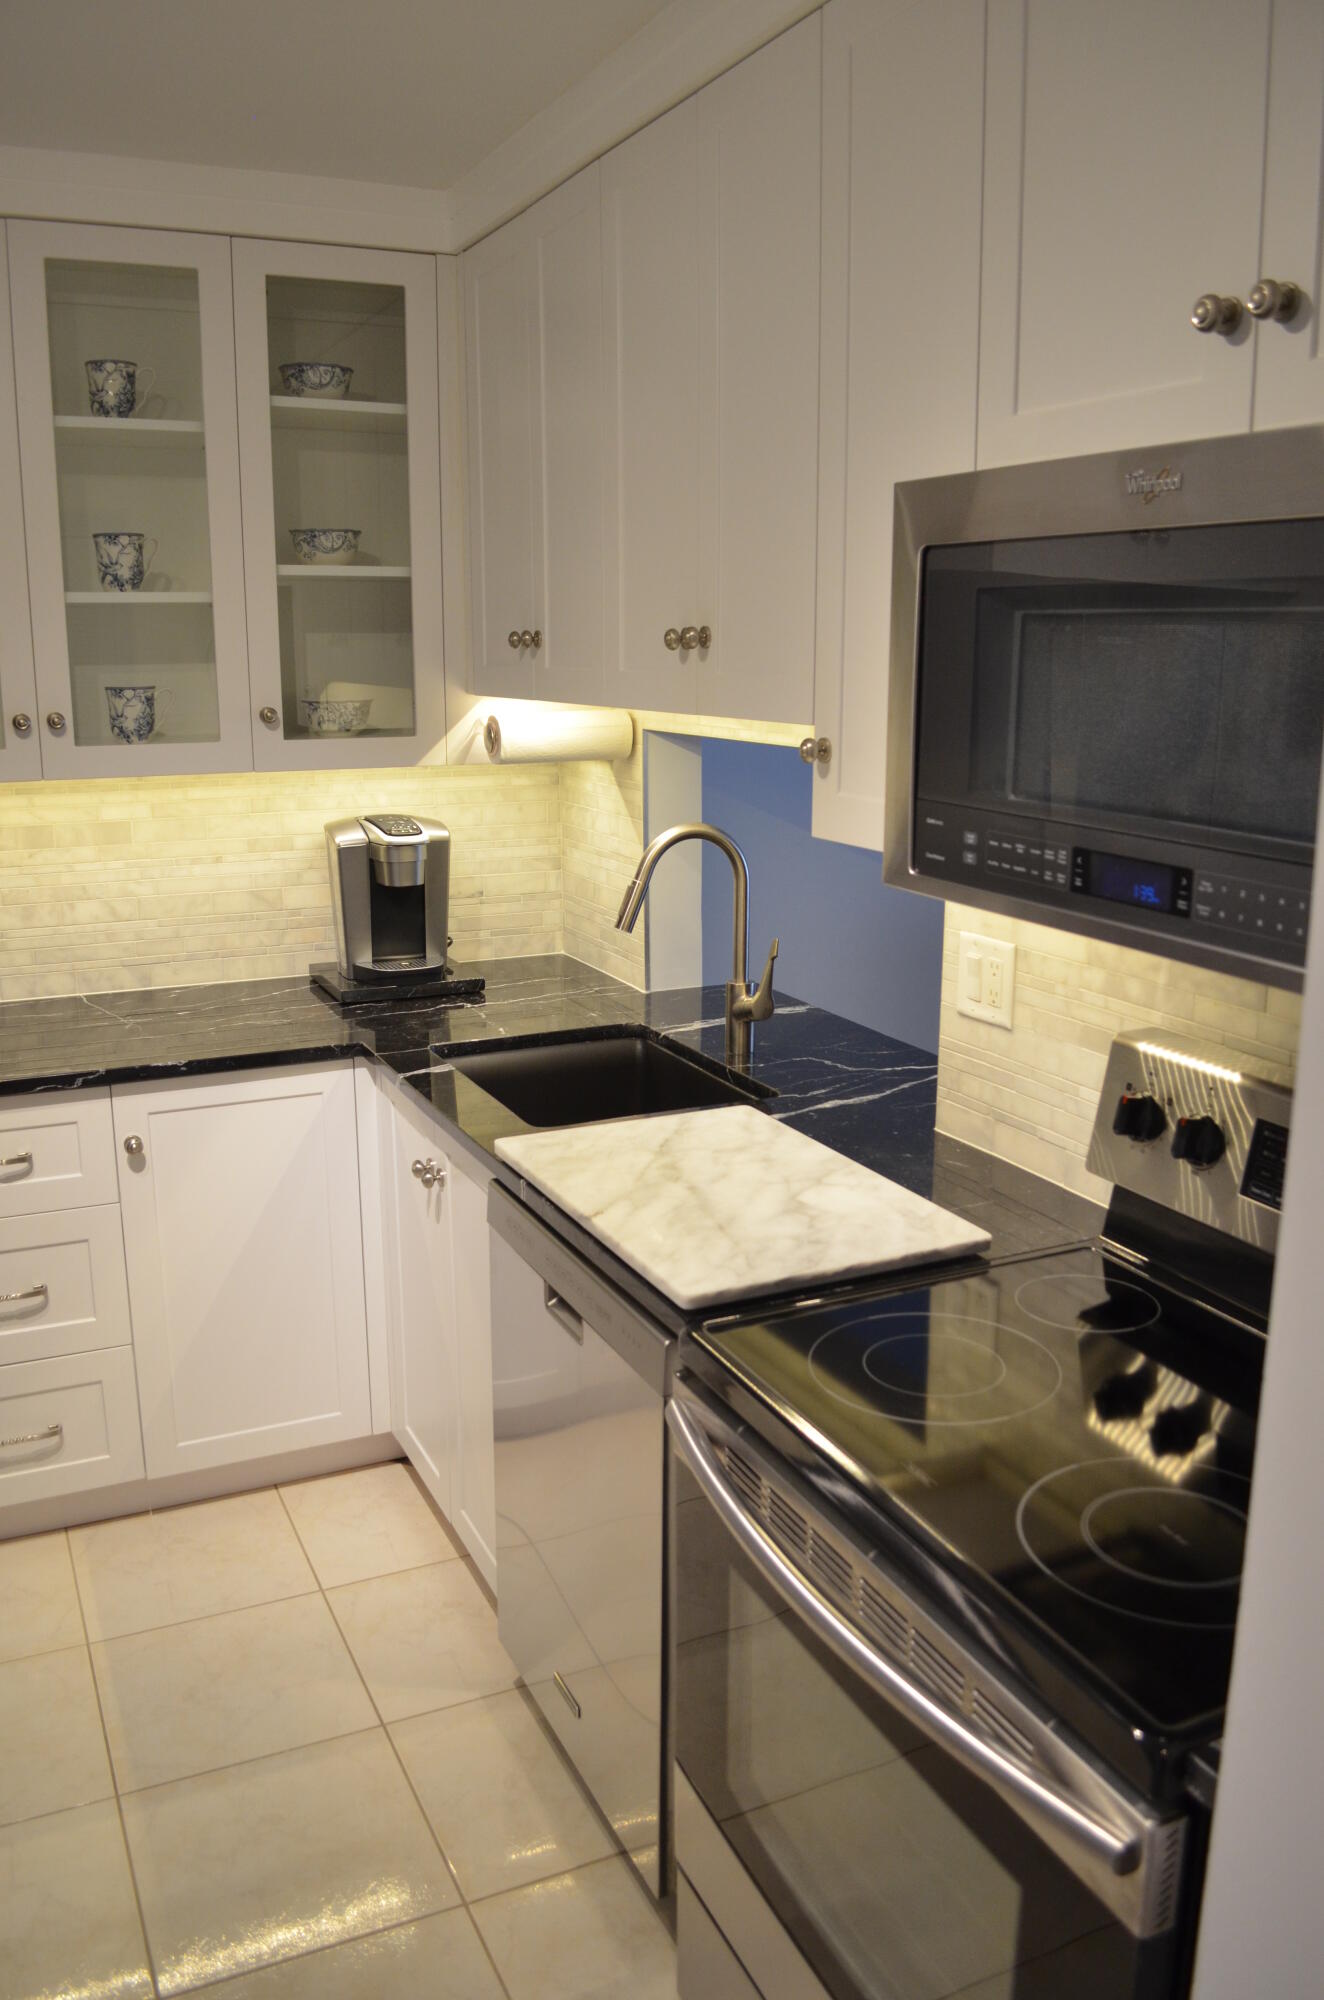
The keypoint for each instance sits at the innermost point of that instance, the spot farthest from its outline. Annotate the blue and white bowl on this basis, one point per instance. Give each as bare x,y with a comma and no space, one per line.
325,545
334,718
315,378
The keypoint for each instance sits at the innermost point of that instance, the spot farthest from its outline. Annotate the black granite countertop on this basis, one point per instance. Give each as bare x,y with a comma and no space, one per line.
868,1096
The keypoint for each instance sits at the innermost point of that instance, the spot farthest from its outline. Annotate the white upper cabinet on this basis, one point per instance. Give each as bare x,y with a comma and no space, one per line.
1289,358
902,97
533,326
345,635
711,276
1124,170
20,745
131,498
658,457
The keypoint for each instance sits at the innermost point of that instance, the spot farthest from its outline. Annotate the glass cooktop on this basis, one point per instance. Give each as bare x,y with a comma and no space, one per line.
1061,1434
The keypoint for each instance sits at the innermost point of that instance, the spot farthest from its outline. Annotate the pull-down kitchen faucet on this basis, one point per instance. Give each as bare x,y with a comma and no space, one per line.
744,1004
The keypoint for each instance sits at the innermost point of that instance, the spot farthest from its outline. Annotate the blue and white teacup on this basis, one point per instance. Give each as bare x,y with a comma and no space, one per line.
136,711
315,378
112,387
325,545
120,558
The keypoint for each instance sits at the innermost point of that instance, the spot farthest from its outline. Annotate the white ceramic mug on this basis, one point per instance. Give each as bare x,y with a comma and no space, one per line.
121,560
113,389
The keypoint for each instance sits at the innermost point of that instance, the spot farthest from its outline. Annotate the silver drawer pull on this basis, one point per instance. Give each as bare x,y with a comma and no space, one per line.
41,1292
23,1160
570,1699
565,1314
51,1432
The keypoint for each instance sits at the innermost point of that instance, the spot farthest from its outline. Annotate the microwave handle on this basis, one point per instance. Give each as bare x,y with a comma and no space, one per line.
1063,1825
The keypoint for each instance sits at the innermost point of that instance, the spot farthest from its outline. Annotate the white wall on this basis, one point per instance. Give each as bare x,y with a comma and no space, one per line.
1261,1935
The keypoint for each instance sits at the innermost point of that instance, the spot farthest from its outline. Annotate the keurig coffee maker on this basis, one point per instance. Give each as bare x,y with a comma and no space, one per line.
390,890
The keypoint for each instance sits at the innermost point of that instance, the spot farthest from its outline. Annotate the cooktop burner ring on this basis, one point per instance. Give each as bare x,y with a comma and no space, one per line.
1033,1383
1121,1493
1127,1574
1135,1314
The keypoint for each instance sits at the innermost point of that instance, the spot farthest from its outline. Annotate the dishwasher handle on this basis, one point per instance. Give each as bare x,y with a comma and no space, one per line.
562,1312
1072,1832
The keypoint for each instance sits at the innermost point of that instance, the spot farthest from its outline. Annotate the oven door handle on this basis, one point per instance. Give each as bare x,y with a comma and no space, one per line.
1062,1823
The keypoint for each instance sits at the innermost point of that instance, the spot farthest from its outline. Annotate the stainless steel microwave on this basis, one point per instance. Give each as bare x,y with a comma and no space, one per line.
1106,709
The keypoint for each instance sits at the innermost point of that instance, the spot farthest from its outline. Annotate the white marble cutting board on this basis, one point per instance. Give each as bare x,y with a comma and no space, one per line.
727,1203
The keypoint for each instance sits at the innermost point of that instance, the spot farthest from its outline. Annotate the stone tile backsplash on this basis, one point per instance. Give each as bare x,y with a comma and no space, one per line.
1029,1094
108,884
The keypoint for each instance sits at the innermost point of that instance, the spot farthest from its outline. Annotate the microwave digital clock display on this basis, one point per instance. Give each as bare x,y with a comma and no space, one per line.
1120,878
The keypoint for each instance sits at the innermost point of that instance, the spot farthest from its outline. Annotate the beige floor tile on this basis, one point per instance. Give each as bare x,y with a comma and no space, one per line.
501,1800
188,1698
68,1922
187,1562
245,1867
441,1958
367,1523
52,1751
37,1591
423,1639
589,1935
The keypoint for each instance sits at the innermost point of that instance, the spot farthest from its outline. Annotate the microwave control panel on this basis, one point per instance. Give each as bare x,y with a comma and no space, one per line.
1238,903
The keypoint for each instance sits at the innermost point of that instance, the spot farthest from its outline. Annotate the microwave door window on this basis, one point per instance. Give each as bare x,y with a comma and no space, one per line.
1146,682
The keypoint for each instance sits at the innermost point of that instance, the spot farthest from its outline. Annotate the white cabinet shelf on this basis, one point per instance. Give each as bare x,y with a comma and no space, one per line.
123,597
361,572
139,432
303,413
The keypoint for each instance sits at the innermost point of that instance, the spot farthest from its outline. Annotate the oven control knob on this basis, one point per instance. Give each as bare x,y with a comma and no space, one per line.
1198,1141
1139,1118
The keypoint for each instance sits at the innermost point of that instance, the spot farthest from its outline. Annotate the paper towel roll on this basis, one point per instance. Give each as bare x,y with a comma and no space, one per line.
537,735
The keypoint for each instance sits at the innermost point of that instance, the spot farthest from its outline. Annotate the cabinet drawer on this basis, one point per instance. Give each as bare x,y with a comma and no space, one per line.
67,1424
62,1284
56,1152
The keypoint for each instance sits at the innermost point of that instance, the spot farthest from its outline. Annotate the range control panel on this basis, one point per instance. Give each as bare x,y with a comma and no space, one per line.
1191,1126
1245,905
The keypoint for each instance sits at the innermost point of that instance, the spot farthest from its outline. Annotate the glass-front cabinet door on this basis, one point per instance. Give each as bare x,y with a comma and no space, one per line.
20,744
338,403
124,365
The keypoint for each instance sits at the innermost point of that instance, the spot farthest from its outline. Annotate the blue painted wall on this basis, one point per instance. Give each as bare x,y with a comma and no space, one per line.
847,943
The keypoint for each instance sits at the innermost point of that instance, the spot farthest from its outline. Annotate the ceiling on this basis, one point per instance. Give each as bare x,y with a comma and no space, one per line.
408,92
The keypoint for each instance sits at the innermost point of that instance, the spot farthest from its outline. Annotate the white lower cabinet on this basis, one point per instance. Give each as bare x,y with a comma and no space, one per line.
68,1423
439,1319
240,1203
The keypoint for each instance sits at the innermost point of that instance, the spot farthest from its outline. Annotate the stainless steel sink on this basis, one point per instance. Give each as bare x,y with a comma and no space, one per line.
587,1081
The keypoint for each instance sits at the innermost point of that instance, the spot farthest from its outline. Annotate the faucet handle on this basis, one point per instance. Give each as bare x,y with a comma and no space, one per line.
758,1004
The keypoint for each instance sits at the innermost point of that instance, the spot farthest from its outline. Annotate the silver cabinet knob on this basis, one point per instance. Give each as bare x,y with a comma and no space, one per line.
514,641
671,638
133,1145
429,1173
55,722
695,635
1274,298
21,724
816,749
269,715
1213,313
535,638
526,637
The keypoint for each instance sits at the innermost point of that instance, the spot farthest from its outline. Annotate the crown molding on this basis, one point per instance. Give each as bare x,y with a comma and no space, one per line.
685,46
228,201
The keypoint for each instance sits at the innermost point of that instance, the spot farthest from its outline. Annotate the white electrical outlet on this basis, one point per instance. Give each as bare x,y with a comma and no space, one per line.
986,979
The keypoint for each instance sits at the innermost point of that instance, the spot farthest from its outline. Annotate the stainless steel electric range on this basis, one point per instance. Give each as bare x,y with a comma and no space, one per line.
955,1581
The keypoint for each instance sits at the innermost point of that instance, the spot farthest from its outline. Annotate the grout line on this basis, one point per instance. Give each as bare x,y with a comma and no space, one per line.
395,1752
114,1779
200,1617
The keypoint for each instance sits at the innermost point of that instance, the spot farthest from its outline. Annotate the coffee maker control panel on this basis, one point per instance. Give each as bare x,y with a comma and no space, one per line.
396,826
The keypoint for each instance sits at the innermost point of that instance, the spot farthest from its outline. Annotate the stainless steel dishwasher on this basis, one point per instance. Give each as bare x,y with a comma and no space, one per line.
580,1377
